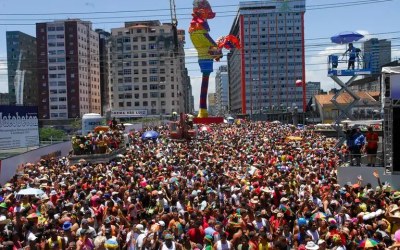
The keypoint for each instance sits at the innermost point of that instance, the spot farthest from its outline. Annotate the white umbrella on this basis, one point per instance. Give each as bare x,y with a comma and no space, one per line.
31,191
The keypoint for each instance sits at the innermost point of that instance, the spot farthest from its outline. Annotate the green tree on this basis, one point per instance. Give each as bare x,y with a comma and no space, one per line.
76,124
51,134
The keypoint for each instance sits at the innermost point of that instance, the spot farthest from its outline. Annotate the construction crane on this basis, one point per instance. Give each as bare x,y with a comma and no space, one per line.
19,82
174,22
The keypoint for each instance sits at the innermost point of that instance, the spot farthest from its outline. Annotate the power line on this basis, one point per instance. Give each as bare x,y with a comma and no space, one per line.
184,8
312,7
309,48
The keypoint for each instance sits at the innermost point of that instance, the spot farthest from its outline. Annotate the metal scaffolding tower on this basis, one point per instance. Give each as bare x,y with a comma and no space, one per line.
334,72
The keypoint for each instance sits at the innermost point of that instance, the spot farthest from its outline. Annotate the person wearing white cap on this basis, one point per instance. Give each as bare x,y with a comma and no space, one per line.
311,246
135,238
321,244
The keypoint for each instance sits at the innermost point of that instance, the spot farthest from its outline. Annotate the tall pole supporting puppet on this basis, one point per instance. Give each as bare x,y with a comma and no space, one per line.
208,50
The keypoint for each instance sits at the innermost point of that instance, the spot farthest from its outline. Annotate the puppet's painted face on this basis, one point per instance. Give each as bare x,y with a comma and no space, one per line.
202,9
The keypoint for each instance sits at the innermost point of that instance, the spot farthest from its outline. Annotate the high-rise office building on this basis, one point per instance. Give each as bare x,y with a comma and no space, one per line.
21,63
68,69
263,73
222,90
147,69
377,52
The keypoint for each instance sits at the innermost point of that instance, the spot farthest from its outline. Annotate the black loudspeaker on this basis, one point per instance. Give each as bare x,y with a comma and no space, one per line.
387,86
396,140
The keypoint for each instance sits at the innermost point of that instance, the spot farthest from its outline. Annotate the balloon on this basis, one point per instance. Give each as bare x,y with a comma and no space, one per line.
207,49
299,83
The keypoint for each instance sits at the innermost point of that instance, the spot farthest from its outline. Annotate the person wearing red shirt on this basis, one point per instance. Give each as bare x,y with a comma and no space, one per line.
196,234
372,146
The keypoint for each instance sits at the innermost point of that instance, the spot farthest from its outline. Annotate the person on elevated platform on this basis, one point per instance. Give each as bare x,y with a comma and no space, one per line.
353,53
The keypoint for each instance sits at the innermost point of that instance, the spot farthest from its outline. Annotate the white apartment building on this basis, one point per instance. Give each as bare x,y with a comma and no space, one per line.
147,76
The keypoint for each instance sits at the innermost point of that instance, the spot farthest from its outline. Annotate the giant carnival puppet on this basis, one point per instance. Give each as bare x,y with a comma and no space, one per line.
207,49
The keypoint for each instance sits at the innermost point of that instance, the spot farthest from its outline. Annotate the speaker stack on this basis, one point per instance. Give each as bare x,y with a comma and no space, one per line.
391,122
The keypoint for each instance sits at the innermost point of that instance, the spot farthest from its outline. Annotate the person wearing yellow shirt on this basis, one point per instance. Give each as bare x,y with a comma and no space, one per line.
264,244
55,242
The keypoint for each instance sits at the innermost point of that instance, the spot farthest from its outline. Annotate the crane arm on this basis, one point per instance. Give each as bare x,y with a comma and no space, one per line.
174,22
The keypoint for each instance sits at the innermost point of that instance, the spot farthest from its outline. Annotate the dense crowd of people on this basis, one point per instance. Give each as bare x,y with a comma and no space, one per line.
246,186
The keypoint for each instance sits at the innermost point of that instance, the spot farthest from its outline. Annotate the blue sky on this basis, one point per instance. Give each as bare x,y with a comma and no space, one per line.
373,18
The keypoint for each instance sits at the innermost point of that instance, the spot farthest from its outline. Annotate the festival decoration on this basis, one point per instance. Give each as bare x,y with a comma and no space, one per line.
318,215
368,243
299,83
208,50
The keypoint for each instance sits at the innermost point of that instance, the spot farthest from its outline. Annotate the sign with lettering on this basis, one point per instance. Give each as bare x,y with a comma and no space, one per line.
18,127
129,113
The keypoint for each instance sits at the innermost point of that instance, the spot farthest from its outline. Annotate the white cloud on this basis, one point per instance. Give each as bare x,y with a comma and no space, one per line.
317,66
396,54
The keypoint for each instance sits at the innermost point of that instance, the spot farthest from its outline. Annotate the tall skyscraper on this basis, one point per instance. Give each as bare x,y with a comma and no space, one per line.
21,63
146,71
68,69
222,90
263,73
377,52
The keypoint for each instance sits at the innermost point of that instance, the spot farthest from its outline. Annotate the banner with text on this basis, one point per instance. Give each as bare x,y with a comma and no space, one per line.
18,127
129,113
